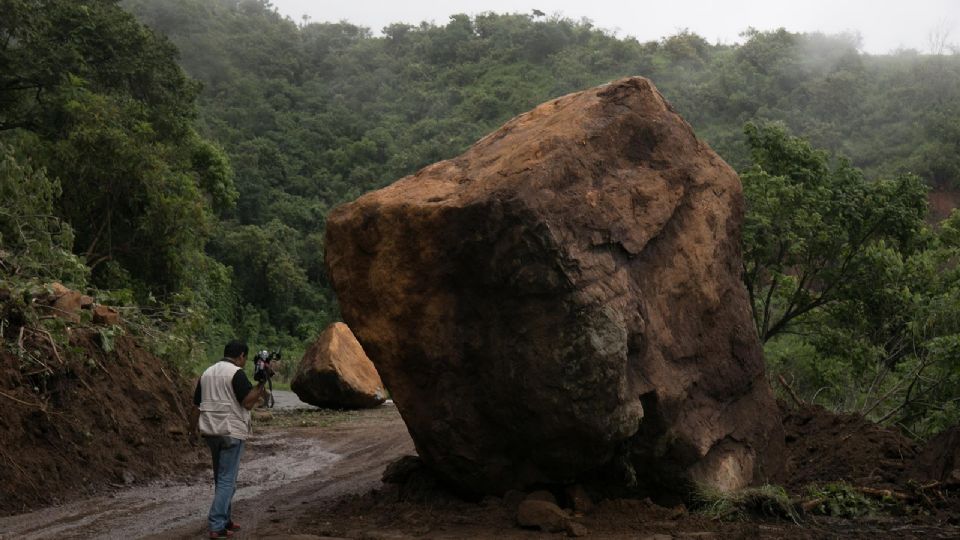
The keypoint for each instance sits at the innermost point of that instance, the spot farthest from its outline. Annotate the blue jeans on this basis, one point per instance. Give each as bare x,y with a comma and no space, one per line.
226,452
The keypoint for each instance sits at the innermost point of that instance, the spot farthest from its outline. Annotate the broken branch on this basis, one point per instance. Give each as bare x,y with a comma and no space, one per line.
789,389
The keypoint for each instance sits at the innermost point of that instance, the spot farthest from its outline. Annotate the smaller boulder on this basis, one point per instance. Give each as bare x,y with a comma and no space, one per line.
336,373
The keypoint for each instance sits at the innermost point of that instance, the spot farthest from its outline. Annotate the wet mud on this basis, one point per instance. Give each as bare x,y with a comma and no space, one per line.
282,470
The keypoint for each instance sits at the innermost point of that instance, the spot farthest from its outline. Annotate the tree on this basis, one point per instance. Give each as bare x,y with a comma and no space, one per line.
33,241
810,227
100,101
856,298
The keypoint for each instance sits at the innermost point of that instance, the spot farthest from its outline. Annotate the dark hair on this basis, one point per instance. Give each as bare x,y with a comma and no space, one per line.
235,348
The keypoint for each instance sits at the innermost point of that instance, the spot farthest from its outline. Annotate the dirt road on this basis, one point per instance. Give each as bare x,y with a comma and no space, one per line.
322,480
284,470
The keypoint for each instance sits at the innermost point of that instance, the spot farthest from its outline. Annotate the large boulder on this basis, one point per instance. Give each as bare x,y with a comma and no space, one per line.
562,303
336,373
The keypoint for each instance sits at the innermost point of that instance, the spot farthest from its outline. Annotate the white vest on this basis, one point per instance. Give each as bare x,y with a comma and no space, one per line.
220,412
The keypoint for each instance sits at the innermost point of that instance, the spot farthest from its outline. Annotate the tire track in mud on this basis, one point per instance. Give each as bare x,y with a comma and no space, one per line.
283,471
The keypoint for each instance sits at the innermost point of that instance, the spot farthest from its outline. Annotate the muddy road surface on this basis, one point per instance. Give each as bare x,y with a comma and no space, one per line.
311,473
291,461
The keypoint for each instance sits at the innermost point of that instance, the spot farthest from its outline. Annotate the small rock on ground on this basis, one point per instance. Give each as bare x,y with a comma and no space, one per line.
542,514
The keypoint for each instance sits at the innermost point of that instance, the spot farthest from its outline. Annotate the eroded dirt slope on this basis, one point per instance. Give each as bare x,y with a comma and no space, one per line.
79,418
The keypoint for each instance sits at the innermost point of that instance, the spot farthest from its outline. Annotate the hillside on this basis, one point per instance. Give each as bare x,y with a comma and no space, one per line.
314,115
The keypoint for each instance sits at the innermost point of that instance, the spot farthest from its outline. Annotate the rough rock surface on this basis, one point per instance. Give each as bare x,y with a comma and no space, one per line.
336,373
105,315
66,303
562,303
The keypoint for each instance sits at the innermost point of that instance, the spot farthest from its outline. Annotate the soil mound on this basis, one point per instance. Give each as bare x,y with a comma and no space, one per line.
823,446
939,459
78,418
562,304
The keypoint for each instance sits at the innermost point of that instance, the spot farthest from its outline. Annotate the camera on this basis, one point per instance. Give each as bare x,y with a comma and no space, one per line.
261,367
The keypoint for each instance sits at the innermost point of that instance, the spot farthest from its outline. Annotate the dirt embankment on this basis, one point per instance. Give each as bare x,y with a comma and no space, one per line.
78,418
828,447
942,203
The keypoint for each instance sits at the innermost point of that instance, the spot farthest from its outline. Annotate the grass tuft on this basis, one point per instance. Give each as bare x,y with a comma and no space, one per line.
301,418
767,501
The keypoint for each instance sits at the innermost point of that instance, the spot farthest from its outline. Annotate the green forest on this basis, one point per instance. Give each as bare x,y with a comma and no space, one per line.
179,157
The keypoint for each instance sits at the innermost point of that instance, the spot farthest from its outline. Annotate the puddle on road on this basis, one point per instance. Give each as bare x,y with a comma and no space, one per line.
285,463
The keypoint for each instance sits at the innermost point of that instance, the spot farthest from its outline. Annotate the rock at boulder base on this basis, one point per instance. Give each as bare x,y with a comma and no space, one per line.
578,498
336,373
562,304
542,514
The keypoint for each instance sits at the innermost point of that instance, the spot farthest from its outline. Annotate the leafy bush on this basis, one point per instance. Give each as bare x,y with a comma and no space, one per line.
33,240
842,500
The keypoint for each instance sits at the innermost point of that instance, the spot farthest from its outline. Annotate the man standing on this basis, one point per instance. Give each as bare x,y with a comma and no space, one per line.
225,397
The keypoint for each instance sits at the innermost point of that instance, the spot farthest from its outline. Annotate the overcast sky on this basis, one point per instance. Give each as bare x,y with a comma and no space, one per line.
884,25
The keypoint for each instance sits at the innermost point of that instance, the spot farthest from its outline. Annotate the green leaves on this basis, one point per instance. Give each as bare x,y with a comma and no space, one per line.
109,114
842,500
812,227
857,298
33,240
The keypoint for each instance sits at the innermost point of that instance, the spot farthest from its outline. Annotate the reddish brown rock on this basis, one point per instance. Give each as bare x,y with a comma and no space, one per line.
562,303
66,303
336,373
105,315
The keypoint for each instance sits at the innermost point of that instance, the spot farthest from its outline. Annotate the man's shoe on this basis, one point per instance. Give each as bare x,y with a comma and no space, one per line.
231,526
226,533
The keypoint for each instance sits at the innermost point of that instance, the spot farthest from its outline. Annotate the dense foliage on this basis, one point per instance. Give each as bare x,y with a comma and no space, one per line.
856,297
204,197
100,156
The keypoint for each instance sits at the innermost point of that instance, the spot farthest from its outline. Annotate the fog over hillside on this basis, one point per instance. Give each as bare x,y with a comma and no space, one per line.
884,26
